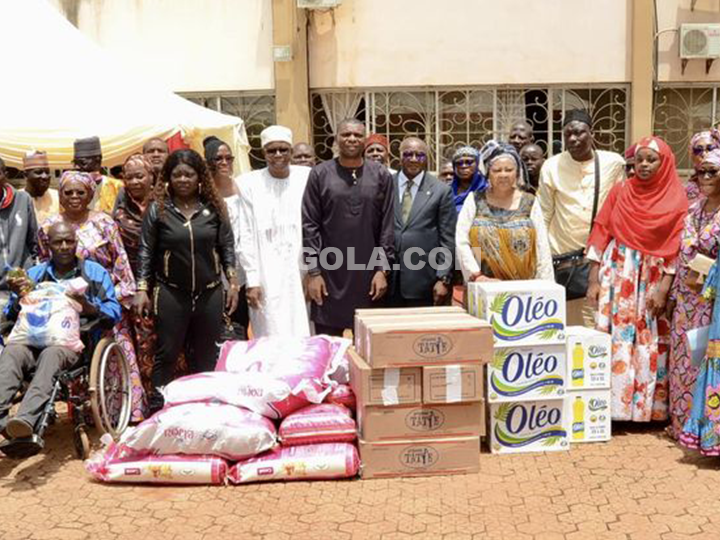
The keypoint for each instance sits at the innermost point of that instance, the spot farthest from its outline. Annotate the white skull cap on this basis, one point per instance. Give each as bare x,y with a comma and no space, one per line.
275,134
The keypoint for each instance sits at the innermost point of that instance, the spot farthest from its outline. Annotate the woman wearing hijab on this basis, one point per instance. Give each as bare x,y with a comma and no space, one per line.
634,243
700,144
99,240
468,178
701,235
503,225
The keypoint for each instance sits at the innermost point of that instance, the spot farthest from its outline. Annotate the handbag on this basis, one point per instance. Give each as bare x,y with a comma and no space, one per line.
572,269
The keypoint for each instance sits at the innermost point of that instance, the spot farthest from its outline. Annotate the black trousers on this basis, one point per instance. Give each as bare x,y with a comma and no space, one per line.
181,322
328,330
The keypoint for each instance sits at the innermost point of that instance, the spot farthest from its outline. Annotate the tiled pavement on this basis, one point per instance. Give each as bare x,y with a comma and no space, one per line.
639,486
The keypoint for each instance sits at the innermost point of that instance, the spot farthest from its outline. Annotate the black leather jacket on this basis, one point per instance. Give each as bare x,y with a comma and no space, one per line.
185,254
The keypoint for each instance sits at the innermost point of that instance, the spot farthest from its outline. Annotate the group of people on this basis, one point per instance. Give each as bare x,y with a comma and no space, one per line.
296,247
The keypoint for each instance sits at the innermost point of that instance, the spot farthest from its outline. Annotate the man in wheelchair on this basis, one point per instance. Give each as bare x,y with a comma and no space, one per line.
17,360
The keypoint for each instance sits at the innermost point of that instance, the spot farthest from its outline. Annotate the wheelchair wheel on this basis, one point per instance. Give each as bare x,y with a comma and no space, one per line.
82,442
110,388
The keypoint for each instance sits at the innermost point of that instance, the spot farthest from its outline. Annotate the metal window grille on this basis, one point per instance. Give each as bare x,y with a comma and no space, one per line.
257,111
447,118
682,111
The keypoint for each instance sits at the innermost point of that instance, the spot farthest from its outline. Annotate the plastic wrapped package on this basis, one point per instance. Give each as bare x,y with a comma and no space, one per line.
258,392
316,424
306,365
312,462
200,428
342,394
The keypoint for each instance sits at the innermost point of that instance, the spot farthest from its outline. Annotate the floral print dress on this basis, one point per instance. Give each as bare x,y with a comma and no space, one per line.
99,240
700,235
702,428
628,278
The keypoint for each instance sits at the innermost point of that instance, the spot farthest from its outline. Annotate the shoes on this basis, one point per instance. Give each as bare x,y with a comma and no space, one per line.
22,448
18,429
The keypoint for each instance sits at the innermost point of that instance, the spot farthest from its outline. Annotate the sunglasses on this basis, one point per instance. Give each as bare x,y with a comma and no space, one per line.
419,156
229,159
465,162
712,173
699,150
277,151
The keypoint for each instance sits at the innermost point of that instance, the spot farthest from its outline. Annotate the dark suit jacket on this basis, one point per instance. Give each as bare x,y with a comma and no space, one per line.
431,225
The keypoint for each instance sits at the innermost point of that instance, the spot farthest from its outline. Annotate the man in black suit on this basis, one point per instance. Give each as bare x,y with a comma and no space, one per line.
425,219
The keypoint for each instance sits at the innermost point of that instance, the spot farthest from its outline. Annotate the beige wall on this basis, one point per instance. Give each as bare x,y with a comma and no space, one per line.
671,14
375,43
189,45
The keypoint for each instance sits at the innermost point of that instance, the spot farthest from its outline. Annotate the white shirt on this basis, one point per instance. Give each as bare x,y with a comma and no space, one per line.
402,185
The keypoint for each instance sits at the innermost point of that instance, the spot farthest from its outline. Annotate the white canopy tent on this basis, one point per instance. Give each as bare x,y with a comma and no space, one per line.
51,93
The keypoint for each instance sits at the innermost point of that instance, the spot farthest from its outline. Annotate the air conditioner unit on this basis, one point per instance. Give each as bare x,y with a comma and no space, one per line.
318,4
700,40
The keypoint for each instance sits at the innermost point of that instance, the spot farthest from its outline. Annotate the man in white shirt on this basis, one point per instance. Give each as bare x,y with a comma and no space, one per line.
271,240
425,219
567,193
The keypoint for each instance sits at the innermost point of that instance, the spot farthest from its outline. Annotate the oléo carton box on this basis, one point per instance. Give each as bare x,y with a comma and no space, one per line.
527,373
530,312
529,426
589,358
589,413
421,457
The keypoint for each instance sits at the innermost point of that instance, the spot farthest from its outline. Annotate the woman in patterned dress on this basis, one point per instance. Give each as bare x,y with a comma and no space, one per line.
701,235
634,244
700,144
99,240
503,225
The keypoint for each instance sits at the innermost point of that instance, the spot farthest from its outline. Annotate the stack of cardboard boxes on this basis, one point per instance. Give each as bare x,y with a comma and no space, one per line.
418,379
548,386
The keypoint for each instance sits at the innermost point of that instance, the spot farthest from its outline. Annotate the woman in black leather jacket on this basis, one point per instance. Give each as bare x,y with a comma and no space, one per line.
185,245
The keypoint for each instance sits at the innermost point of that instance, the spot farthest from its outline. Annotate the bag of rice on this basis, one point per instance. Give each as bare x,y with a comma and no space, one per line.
201,428
172,469
316,424
312,462
342,395
305,364
257,392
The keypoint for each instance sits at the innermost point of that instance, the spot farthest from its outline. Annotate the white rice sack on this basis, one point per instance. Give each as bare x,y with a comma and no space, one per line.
201,428
255,391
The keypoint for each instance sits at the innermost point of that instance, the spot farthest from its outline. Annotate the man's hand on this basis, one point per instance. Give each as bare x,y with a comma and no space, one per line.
19,285
317,291
378,286
87,307
592,296
440,293
254,297
478,276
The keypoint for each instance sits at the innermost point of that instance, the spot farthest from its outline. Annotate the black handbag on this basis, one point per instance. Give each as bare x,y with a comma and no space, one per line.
572,269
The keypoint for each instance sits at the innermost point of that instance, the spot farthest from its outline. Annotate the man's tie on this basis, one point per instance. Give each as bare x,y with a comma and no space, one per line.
407,201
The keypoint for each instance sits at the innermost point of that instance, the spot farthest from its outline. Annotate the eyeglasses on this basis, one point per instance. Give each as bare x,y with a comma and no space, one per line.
419,156
465,162
712,173
277,151
229,159
700,149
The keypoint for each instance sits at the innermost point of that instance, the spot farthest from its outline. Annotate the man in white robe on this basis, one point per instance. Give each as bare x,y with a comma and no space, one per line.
271,239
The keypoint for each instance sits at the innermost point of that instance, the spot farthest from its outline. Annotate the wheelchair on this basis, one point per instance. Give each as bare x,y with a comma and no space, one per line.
97,390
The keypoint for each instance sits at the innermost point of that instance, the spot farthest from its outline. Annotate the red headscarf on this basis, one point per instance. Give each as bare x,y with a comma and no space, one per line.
646,215
376,138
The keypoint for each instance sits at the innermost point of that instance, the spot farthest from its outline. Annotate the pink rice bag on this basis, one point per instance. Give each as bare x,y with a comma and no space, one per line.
106,466
342,394
312,462
254,391
201,428
304,364
316,424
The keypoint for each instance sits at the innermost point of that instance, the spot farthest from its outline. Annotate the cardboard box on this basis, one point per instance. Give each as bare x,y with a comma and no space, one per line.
589,413
407,317
588,358
521,313
529,426
527,373
364,314
421,421
435,342
420,457
391,386
452,384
